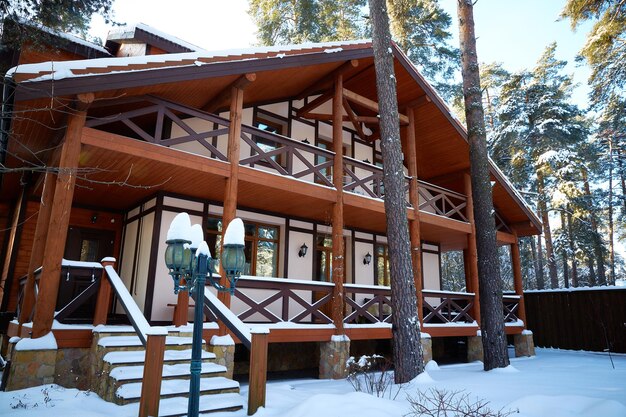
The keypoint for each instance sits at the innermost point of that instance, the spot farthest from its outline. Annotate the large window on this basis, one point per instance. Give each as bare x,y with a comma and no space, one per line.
261,247
272,124
383,276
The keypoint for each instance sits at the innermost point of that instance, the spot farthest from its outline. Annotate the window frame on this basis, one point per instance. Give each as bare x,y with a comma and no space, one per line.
278,125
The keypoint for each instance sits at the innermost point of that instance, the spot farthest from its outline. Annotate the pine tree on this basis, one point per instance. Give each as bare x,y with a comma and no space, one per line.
407,349
536,121
604,50
490,285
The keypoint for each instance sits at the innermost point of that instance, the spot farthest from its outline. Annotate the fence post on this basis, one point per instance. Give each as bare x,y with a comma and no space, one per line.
258,370
152,372
104,294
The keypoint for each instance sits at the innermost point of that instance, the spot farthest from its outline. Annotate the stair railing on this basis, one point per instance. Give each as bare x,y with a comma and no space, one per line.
256,342
152,338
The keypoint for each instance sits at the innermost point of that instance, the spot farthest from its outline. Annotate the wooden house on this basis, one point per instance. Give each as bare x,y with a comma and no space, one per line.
105,152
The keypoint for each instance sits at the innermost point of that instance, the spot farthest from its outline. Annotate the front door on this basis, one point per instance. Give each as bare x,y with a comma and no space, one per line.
86,245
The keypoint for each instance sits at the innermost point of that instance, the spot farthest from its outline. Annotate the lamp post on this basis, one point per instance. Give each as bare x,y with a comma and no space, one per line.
188,258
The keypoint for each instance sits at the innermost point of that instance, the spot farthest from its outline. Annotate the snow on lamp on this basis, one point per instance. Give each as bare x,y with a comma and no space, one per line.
233,256
178,252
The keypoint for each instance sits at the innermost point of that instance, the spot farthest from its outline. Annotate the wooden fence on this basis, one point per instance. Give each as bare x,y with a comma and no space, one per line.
587,319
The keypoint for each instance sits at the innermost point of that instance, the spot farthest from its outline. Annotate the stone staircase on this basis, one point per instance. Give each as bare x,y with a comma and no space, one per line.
117,371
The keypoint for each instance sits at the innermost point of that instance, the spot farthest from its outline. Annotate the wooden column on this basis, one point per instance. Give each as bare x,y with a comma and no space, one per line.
472,256
258,372
152,375
181,311
104,295
230,196
15,235
516,264
59,220
39,241
337,238
414,224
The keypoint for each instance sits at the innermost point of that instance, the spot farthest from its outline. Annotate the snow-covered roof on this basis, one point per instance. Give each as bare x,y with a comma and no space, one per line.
67,69
128,32
67,36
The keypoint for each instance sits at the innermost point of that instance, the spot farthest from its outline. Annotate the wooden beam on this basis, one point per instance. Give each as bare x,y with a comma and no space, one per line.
352,118
338,252
327,79
39,242
218,100
59,221
232,182
418,102
369,104
472,254
516,265
414,224
314,103
103,302
258,372
330,117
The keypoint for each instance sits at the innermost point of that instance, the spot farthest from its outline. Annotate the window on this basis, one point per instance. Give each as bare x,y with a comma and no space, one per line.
272,124
327,172
383,276
261,247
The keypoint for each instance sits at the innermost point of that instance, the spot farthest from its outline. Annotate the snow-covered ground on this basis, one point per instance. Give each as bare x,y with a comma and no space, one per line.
554,383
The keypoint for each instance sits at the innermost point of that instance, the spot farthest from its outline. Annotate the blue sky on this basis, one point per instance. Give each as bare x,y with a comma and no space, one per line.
514,32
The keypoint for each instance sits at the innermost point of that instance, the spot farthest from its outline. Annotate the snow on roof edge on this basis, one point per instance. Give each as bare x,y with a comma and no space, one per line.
65,66
67,36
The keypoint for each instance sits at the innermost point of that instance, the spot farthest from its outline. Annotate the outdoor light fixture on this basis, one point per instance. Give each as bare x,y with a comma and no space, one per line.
302,251
94,218
367,259
306,140
189,261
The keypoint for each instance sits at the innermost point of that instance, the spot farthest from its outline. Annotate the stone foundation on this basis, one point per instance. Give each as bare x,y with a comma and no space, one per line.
474,348
225,356
73,367
333,358
524,344
30,368
427,347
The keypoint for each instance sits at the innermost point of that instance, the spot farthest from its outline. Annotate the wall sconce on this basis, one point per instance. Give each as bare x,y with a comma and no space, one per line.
306,140
302,251
367,259
94,218
367,161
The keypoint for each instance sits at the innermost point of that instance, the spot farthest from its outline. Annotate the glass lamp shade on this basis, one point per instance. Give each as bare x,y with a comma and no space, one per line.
177,257
233,259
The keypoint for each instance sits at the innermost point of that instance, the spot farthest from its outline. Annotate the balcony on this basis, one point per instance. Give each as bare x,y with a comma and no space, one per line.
207,135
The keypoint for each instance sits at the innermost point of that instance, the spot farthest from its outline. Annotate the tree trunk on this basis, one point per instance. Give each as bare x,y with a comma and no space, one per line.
533,255
596,238
541,282
592,274
622,178
489,282
572,248
547,232
564,252
611,229
407,348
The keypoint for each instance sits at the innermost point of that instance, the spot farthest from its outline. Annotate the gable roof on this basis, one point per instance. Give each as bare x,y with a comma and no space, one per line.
147,34
174,74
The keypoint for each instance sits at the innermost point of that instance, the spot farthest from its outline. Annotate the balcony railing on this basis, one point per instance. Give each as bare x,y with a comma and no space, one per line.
268,151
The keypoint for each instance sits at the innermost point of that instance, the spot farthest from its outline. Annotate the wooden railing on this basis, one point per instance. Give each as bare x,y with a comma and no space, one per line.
447,307
367,304
510,304
152,338
287,156
294,307
281,154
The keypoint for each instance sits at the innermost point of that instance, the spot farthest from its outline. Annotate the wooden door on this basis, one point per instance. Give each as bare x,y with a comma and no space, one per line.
86,245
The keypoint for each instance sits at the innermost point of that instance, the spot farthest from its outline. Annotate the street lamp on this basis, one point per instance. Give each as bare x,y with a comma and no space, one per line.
189,261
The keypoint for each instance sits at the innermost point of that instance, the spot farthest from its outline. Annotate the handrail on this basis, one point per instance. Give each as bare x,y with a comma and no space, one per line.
241,330
137,319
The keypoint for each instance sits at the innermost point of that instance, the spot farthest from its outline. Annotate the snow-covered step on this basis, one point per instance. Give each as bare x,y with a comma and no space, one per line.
134,341
177,406
177,387
138,356
133,373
